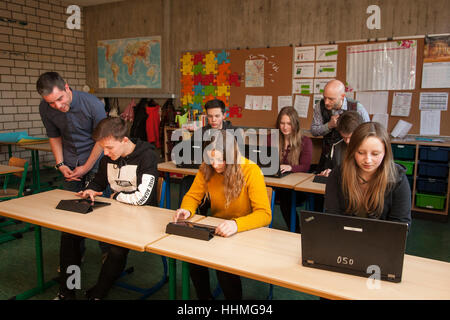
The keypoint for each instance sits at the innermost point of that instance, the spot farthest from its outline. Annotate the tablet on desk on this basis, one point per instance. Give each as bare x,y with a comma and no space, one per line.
320,179
191,230
80,205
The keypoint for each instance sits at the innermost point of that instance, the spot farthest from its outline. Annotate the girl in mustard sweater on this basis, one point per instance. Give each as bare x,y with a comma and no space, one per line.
237,192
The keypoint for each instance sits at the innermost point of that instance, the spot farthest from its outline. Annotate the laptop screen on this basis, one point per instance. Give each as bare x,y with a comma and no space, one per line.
353,245
266,157
188,152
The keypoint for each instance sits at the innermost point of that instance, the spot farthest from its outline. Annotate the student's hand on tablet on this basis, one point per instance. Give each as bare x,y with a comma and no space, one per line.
181,214
227,228
285,168
91,194
325,173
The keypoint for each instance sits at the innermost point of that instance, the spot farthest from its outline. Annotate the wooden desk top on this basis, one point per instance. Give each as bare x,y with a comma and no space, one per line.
24,143
274,256
121,224
446,143
10,169
44,146
287,182
309,186
169,166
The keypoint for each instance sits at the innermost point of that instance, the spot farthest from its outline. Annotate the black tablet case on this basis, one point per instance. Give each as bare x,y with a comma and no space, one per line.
191,230
320,179
80,205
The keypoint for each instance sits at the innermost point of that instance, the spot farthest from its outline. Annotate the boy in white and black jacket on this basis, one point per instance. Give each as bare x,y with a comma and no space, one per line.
132,178
130,168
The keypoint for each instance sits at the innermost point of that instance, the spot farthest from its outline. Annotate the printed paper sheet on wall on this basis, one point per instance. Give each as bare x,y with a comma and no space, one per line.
436,66
382,66
254,73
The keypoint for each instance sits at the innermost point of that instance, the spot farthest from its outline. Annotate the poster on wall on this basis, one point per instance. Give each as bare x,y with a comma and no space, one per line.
129,63
382,66
304,53
303,86
254,73
326,69
206,76
436,62
328,52
303,69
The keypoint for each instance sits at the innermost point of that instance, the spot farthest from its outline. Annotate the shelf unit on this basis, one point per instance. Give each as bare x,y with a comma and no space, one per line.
417,147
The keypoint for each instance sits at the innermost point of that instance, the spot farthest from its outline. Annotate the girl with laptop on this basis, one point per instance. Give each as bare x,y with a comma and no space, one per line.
295,156
237,192
368,183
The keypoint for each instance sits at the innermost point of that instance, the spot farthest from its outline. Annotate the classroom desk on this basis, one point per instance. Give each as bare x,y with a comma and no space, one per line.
274,256
19,144
132,227
8,235
311,187
9,169
287,182
35,148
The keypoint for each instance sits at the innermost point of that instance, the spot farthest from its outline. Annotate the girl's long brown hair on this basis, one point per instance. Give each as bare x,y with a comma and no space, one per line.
371,201
225,143
294,139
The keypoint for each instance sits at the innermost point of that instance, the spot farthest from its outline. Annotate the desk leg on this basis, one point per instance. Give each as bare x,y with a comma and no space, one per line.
35,172
38,174
311,199
186,282
172,279
41,286
272,204
293,210
167,178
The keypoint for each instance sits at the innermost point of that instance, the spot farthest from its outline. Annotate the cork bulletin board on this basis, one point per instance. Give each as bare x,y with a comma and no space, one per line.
278,71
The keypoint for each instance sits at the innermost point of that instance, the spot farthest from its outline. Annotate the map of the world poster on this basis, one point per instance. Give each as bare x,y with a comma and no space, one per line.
129,63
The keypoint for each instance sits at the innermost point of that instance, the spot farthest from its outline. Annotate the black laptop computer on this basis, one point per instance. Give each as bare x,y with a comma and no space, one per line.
193,159
267,158
353,245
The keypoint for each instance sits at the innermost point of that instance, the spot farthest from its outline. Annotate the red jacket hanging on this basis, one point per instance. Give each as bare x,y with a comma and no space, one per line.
152,124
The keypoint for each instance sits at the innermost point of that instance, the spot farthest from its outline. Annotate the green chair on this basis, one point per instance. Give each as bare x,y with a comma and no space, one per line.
16,180
11,193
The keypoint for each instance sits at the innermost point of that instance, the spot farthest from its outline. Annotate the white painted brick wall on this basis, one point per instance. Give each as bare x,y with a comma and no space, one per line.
44,44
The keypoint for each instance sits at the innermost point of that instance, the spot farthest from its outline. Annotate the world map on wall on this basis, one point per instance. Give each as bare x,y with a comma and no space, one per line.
129,63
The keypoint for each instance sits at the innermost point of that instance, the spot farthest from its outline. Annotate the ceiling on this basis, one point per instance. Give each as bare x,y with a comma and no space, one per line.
86,3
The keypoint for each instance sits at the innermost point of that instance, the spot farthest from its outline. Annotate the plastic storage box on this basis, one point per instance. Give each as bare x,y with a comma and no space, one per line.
431,185
433,169
430,201
409,165
404,151
434,153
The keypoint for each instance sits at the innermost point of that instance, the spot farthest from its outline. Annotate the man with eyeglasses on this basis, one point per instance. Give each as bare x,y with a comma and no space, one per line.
326,114
69,117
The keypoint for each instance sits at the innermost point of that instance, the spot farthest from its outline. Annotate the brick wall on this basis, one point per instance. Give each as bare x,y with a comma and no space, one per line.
26,51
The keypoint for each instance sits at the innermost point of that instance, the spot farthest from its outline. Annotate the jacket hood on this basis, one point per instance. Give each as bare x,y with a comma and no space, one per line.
140,148
401,170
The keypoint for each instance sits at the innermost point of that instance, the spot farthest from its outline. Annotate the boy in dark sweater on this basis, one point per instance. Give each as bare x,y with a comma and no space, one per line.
130,168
